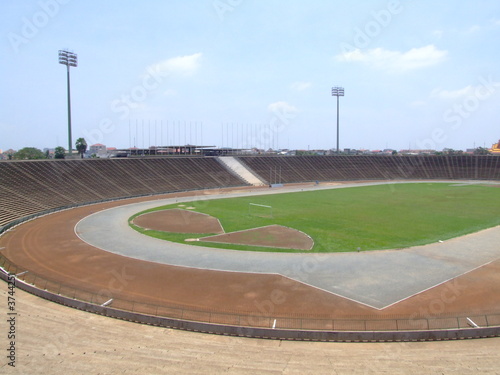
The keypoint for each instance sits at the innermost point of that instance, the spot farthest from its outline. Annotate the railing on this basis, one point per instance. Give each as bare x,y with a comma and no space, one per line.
289,326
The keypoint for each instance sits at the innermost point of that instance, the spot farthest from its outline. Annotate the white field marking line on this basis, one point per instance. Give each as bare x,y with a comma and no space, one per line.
107,302
442,282
259,205
298,251
471,323
330,292
257,228
394,303
304,233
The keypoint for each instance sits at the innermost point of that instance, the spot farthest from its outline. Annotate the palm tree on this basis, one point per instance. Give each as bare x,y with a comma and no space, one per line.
81,146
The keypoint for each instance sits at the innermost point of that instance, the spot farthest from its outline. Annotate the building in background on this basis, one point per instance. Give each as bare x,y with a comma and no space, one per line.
495,149
98,149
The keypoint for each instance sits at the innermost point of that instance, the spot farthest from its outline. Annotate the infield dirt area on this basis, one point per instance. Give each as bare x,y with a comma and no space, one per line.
276,236
179,221
184,221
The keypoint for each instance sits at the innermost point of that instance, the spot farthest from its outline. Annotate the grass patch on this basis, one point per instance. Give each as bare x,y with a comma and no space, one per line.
365,217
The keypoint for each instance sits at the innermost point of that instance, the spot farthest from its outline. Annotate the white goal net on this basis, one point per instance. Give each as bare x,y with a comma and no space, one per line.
260,210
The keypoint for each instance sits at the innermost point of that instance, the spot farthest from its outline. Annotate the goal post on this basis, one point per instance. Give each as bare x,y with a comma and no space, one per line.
260,210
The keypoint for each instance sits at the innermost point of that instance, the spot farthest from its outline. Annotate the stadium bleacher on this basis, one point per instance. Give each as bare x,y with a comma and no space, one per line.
347,168
33,187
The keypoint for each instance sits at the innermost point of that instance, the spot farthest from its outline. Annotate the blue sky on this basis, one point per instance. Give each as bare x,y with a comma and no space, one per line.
238,73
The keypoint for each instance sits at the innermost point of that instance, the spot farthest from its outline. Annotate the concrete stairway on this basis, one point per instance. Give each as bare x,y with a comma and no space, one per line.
234,166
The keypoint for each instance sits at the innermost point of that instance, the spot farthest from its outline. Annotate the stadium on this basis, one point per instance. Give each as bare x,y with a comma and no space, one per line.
174,198
52,212
54,263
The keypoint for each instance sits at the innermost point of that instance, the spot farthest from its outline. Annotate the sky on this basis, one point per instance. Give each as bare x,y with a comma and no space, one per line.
417,74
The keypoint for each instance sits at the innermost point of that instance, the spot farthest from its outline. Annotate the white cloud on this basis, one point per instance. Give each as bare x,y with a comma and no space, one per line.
453,94
486,87
474,29
380,58
300,86
282,107
180,65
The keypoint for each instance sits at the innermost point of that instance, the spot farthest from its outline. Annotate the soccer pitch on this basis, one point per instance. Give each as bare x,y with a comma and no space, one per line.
388,216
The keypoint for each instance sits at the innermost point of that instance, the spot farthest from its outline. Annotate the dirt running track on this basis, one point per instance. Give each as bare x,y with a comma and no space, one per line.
93,344
78,265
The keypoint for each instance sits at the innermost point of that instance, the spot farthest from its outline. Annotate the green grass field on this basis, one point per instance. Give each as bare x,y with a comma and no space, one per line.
365,217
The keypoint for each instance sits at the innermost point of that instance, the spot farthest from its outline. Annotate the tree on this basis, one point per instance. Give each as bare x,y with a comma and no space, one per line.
59,153
452,152
81,146
29,153
481,151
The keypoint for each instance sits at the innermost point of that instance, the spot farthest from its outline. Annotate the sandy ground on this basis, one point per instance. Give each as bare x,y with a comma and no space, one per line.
53,339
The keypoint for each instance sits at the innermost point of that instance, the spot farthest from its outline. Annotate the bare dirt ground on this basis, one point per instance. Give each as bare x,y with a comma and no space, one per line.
276,236
179,221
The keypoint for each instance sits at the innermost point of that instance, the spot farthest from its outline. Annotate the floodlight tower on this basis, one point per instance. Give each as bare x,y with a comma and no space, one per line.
337,91
69,59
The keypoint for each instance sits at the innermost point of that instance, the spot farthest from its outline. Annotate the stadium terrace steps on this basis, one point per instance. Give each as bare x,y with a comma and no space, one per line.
33,187
348,168
242,171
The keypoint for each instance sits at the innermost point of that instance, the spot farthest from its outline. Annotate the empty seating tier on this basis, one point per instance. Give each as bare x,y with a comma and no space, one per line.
31,187
290,169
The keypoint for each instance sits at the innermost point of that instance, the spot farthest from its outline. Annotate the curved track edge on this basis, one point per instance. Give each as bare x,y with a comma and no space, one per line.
258,332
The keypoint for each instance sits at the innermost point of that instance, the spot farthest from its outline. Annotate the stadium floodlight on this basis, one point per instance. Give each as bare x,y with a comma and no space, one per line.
337,91
69,59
